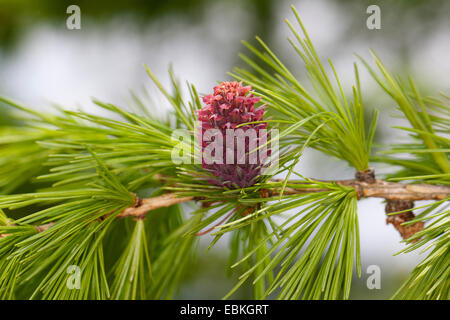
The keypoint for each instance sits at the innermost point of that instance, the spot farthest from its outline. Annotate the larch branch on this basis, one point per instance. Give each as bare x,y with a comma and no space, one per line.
145,205
375,189
381,189
378,189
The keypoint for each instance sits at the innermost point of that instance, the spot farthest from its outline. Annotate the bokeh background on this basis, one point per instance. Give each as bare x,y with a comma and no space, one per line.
42,62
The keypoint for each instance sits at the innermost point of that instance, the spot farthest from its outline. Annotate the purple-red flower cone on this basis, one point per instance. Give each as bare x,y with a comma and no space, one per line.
230,105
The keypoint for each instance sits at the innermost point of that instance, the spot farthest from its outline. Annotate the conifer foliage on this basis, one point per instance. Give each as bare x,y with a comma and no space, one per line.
102,216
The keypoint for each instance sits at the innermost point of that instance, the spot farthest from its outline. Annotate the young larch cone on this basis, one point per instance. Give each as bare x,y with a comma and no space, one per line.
230,105
406,231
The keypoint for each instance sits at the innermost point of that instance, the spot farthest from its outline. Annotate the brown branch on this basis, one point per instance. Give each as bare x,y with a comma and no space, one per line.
364,189
43,227
398,191
39,229
143,206
382,189
378,189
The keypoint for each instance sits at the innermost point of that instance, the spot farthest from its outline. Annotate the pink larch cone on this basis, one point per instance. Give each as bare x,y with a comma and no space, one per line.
231,104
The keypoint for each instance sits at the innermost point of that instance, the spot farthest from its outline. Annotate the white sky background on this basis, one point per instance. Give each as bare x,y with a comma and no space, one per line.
69,67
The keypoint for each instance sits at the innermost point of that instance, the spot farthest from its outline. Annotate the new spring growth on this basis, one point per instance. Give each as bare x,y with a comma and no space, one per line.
228,149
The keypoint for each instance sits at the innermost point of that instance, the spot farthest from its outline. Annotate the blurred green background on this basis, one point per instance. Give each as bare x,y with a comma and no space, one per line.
42,62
